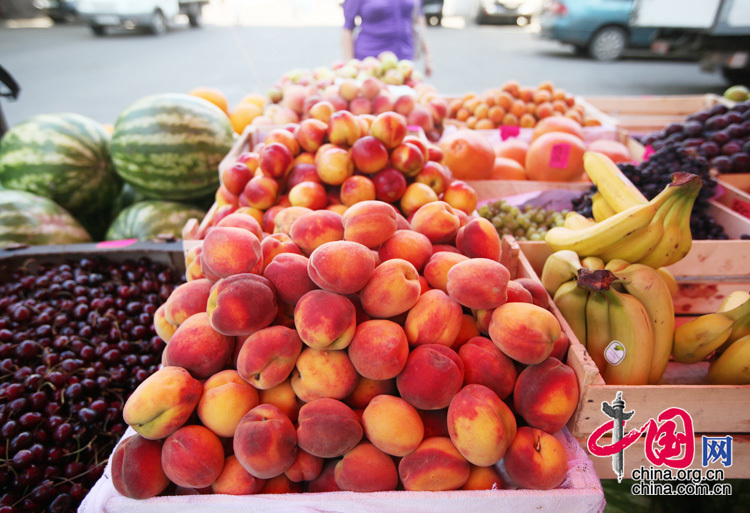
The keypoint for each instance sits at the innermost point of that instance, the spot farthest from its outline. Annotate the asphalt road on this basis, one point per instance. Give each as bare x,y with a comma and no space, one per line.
67,68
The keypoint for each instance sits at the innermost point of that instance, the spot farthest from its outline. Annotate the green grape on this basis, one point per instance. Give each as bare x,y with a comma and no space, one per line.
536,236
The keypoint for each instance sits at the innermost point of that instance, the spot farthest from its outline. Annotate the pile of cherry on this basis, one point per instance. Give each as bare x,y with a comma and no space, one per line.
75,340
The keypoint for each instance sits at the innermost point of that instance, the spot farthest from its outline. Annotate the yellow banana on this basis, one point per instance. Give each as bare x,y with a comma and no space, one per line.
733,366
630,352
616,264
672,247
646,285
598,328
571,301
560,266
614,186
695,340
593,263
741,326
576,221
600,209
670,280
733,300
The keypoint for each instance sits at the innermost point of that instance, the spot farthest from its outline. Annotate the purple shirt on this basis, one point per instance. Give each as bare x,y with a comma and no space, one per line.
385,25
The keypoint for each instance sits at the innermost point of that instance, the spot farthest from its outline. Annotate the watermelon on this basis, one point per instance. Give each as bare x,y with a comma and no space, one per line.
169,146
146,220
29,219
63,157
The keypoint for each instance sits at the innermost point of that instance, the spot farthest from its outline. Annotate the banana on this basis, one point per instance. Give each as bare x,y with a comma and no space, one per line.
560,266
614,186
733,366
646,285
571,301
733,300
598,329
616,264
576,221
741,326
631,332
673,247
592,262
670,280
600,209
695,340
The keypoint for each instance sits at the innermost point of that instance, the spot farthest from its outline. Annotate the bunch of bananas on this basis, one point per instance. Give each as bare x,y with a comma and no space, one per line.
727,332
621,312
655,233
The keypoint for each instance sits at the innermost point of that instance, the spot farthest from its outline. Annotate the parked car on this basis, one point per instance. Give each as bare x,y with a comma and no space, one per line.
433,12
61,11
505,11
153,15
598,28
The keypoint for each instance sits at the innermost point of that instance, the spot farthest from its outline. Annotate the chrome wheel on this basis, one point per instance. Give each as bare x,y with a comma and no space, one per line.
608,44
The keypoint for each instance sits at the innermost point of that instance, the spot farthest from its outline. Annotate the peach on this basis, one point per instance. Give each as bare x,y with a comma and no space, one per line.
328,428
228,251
424,285
368,388
434,175
407,158
276,160
479,239
198,347
322,111
366,469
226,398
288,274
407,245
379,349
342,267
389,128
416,195
468,331
186,300
343,129
334,166
369,223
560,347
325,320
241,304
437,267
241,220
536,460
485,364
404,104
192,457
480,424
235,177
312,134
435,154
268,356
269,216
392,289
434,319
235,480
392,425
360,105
517,293
285,218
224,198
316,228
435,422
478,283
355,189
306,467
422,117
436,220
483,319
136,468
382,103
369,155
302,172
390,184
326,481
546,395
285,137
538,293
524,331
279,485
276,244
436,465
433,374
261,192
283,397
461,195
162,403
253,212
164,329
483,478
371,87
321,374
265,442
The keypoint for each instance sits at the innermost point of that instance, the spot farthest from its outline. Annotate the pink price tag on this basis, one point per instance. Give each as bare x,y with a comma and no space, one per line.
414,128
116,243
741,207
649,151
508,131
558,157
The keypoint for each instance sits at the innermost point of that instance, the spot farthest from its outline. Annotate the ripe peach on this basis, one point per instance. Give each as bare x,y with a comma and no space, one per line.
343,129
536,289
302,172
407,158
342,267
269,216
435,154
435,422
517,293
164,329
357,188
416,195
404,104
369,154
192,457
276,160
226,398
536,460
478,283
436,220
242,220
283,397
326,481
390,184
235,480
546,395
186,300
485,364
136,468
322,111
524,331
481,426
392,425
479,239
280,484
434,319
433,374
288,274
265,442
285,218
334,166
392,289
312,134
328,428
323,374
560,347
308,194
434,175
379,349
468,331
366,469
389,128
260,192
436,465
315,228
483,478
276,244
306,467
462,196
408,245
285,137
198,347
371,87
268,356
325,320
241,304
382,103
235,177
228,251
437,267
369,223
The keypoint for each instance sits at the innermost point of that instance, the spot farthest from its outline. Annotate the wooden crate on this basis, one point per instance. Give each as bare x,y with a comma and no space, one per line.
705,276
735,192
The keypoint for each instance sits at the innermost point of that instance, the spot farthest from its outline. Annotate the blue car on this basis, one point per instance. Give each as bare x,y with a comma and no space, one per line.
598,28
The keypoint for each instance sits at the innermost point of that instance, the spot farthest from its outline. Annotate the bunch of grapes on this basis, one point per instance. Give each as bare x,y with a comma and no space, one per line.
524,223
654,174
75,340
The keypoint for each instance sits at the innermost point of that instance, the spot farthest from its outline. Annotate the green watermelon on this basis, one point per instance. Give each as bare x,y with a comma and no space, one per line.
63,157
34,220
146,220
169,146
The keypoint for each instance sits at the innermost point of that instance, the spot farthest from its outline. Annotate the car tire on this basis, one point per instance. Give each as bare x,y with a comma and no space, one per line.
736,75
194,15
158,25
98,30
608,44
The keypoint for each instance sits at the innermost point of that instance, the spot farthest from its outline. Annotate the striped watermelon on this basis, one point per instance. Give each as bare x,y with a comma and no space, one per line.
34,220
146,220
63,157
169,146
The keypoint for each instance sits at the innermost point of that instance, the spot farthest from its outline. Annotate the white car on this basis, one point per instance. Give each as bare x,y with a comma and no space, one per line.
153,15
